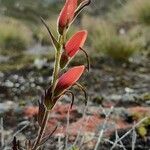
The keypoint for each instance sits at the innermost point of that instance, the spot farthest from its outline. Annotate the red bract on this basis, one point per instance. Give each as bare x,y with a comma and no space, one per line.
72,47
68,79
66,15
75,42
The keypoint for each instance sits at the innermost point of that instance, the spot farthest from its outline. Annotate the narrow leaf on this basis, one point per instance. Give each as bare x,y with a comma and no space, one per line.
87,58
45,139
83,90
53,39
72,100
41,111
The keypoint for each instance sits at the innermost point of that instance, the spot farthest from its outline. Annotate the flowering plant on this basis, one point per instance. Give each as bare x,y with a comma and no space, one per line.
64,52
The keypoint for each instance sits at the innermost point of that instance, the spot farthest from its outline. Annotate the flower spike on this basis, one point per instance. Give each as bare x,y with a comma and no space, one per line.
66,15
59,86
68,79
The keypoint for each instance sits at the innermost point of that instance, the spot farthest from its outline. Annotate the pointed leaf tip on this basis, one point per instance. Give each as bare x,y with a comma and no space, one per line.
53,39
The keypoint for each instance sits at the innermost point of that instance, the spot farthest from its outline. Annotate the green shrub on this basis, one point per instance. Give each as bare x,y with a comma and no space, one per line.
29,10
142,10
120,48
14,35
132,13
137,11
141,35
104,39
144,128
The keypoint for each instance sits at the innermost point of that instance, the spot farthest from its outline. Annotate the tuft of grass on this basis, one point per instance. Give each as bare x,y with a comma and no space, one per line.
14,35
135,11
120,48
28,10
143,128
141,35
141,10
20,62
105,39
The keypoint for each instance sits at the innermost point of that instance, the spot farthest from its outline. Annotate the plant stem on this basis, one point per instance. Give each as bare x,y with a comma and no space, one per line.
54,82
57,65
41,131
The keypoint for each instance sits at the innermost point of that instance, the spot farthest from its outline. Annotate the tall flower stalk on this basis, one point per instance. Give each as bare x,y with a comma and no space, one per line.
60,85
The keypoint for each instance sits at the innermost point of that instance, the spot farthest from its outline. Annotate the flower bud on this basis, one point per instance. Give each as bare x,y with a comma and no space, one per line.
68,79
73,46
75,42
66,15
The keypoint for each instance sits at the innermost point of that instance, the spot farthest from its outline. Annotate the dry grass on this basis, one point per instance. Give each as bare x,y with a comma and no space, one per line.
139,10
133,12
105,39
14,35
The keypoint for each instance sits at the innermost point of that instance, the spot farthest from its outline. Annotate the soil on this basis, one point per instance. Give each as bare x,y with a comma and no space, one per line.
124,87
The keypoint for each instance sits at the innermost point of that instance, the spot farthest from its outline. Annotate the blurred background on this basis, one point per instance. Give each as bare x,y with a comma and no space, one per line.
118,45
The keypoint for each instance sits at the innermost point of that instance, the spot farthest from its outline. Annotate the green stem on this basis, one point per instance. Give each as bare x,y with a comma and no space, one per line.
57,65
41,131
54,82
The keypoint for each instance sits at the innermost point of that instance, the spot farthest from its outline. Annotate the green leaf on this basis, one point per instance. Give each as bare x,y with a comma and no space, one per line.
53,39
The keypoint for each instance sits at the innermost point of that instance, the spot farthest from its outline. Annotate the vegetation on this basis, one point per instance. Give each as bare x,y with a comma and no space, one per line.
28,10
139,11
122,33
104,38
21,61
143,128
14,35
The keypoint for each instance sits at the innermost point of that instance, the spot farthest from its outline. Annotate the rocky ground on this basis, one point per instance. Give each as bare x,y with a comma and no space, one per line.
122,89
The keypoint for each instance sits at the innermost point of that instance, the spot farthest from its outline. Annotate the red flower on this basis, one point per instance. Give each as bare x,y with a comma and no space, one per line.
66,14
73,46
75,42
68,79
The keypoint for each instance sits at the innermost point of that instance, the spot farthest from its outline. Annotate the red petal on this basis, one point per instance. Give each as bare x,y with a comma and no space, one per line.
75,42
68,79
67,13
